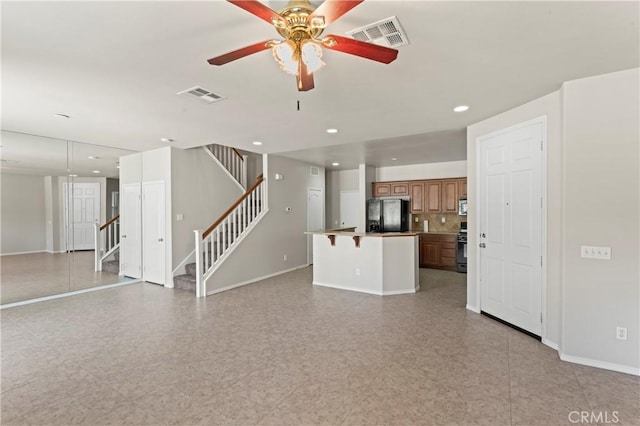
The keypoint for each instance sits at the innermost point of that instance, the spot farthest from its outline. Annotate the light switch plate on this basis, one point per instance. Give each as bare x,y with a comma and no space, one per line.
594,252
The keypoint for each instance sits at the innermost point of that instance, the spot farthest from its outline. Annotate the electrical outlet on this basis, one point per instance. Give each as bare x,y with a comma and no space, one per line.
593,252
357,271
416,219
621,333
443,219
284,257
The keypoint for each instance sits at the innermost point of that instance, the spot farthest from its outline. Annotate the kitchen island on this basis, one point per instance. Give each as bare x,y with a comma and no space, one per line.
374,263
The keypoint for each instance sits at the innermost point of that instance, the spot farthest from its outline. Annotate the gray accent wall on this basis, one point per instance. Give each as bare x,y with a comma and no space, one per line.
23,215
279,232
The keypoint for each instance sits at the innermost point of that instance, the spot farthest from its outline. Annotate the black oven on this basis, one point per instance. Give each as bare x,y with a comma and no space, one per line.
461,252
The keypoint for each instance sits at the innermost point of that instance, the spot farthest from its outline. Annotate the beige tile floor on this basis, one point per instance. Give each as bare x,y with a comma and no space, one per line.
281,352
29,276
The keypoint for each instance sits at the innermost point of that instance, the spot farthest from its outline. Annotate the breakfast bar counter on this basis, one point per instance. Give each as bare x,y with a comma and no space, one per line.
374,263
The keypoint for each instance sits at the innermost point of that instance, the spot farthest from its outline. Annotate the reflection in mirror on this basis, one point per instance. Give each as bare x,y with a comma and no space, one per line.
55,197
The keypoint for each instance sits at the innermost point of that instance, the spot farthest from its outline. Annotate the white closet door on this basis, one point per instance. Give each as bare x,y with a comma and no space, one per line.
153,232
131,230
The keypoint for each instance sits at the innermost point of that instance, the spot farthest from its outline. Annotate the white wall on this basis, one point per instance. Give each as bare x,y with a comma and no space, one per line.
602,208
592,196
443,170
22,218
367,175
336,181
548,106
202,191
261,253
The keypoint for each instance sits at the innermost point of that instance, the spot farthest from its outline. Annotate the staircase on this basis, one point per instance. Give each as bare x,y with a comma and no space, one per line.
107,245
233,162
219,240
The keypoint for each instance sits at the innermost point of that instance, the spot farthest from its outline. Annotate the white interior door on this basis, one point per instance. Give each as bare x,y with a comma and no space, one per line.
349,209
131,230
153,232
82,209
510,212
315,219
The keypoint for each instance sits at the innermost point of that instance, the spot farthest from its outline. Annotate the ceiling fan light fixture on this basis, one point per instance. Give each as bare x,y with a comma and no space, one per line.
285,55
311,54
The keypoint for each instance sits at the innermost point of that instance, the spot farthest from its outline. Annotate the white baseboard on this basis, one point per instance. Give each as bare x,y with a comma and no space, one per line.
253,280
600,364
391,293
70,293
24,252
344,287
552,345
473,309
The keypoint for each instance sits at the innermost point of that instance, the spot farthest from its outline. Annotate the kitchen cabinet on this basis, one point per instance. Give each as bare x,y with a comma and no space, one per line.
433,194
438,251
450,196
417,196
462,188
387,189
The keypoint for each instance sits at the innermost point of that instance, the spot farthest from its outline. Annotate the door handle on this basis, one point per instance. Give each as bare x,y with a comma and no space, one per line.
160,239
482,245
483,235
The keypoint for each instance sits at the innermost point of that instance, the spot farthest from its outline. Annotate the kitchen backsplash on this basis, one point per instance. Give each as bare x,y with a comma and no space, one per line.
451,224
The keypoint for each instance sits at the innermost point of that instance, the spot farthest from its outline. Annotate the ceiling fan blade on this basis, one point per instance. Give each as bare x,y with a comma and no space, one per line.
333,9
258,9
240,53
304,79
360,48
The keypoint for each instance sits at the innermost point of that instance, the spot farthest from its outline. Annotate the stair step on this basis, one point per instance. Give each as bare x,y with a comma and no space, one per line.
191,269
112,267
185,282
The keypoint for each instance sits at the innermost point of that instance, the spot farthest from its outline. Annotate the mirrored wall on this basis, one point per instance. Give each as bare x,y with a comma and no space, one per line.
55,197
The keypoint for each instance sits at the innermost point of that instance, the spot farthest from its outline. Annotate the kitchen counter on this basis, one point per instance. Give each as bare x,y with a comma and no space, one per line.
374,263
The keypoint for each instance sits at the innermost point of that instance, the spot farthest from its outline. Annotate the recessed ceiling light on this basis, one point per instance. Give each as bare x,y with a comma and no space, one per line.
73,175
393,158
96,171
166,140
93,157
62,115
335,164
117,167
256,143
332,131
461,108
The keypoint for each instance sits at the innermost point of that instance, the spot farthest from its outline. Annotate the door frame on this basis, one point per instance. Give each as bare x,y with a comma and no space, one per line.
322,215
543,226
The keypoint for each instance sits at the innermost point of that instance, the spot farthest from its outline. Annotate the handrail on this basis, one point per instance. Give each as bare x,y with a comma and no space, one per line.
238,154
113,219
233,206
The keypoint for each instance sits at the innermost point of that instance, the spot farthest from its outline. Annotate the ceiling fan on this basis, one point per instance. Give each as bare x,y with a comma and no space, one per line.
301,24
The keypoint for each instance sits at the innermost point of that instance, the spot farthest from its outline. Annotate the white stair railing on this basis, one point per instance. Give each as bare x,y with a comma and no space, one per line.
106,240
214,244
232,160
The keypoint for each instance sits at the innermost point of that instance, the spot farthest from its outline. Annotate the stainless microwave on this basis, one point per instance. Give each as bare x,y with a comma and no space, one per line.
462,206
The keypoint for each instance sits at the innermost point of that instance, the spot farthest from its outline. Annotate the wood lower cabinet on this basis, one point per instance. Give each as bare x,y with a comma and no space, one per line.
438,251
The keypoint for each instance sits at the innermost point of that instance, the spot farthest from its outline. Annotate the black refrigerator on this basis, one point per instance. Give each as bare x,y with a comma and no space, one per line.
387,215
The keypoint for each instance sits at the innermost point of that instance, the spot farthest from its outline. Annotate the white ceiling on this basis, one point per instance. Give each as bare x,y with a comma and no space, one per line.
115,68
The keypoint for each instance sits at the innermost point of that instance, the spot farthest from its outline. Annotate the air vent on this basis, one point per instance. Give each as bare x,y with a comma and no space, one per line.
315,171
387,32
201,95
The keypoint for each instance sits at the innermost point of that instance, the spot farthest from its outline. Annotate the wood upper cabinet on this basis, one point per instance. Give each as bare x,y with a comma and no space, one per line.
417,194
450,196
386,189
433,190
462,187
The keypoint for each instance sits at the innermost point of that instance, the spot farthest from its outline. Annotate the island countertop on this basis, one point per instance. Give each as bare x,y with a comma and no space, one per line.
364,234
